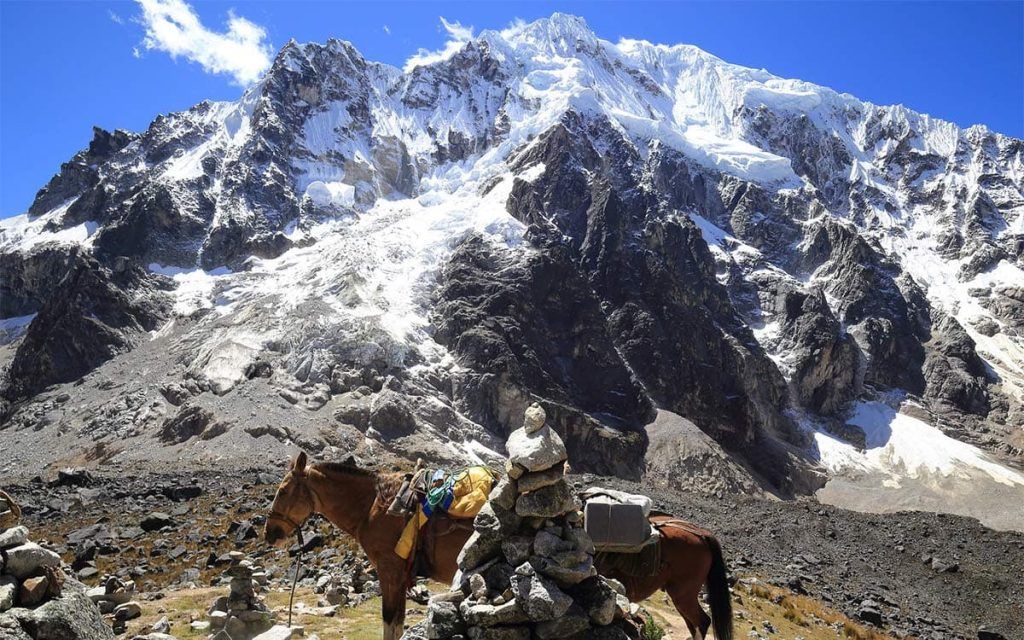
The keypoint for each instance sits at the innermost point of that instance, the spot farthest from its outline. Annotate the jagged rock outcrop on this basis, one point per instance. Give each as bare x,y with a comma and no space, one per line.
91,315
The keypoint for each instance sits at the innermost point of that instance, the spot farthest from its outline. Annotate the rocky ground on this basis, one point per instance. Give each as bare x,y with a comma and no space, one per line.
909,574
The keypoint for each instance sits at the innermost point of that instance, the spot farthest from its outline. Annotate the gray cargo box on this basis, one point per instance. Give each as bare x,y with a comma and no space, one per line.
615,525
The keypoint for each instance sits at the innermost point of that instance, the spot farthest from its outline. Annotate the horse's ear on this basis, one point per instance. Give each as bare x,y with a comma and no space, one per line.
299,466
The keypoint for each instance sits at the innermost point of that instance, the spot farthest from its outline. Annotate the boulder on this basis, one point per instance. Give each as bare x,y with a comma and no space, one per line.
13,537
72,616
547,502
28,558
536,451
391,415
540,598
33,591
127,611
534,418
279,632
539,479
8,589
443,620
156,521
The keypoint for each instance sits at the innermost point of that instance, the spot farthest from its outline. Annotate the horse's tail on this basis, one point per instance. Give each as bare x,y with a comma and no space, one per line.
718,592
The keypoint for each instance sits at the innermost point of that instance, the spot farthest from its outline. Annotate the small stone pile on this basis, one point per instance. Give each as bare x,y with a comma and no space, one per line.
241,615
527,572
115,596
37,596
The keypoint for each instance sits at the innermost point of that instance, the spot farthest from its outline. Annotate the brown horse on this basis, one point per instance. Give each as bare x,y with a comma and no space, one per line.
356,501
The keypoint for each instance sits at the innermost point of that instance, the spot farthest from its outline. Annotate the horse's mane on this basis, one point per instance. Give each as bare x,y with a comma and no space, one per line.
387,483
346,468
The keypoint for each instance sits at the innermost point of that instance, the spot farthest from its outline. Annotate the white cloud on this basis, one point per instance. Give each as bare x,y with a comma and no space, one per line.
173,26
115,18
386,29
458,36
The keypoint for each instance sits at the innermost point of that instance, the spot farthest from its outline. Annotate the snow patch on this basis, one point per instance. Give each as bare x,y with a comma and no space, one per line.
900,446
195,287
22,232
331,194
12,328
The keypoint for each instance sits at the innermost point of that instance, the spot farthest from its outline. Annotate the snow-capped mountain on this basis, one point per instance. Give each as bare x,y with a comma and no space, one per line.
360,256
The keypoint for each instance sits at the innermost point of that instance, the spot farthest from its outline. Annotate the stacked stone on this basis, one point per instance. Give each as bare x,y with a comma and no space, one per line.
115,596
29,574
242,614
528,571
113,593
37,597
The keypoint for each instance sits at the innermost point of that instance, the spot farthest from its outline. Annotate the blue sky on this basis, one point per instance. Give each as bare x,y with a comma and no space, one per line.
66,66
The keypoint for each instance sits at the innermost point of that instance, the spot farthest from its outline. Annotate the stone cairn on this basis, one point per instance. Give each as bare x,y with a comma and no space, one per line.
116,596
527,571
36,592
29,574
242,614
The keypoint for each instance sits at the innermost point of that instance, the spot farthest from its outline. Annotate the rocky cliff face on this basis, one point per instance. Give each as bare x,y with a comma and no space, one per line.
355,255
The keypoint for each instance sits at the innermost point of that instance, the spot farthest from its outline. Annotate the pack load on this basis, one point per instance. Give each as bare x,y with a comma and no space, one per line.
618,522
458,494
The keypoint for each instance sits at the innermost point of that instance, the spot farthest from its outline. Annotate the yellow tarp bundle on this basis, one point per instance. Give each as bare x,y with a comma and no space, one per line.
470,488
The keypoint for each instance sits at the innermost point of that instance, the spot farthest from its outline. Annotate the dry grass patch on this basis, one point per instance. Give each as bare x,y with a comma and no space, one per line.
790,615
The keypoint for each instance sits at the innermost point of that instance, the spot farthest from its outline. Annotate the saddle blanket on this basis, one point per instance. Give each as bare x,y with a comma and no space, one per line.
461,494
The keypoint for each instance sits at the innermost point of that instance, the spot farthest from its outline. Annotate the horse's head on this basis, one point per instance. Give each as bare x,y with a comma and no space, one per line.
293,503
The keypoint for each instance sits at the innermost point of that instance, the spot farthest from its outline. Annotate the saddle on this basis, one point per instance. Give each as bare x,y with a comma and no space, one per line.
428,494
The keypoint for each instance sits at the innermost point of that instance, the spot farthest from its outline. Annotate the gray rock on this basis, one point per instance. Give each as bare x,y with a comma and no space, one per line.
573,622
538,479
534,418
504,493
943,566
443,620
549,502
480,548
156,521
538,596
72,616
8,589
13,537
25,559
499,633
391,415
495,519
536,451
488,615
163,625
516,549
127,611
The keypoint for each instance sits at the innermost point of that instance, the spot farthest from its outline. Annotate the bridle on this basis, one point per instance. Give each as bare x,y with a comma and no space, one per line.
311,496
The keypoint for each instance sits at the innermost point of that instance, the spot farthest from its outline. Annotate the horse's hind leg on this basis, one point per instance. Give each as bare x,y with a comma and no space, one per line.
684,597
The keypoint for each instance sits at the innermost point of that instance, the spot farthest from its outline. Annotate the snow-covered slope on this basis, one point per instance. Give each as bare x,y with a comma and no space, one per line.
613,228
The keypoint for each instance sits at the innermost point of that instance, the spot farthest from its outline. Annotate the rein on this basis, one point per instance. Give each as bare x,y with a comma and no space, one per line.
295,576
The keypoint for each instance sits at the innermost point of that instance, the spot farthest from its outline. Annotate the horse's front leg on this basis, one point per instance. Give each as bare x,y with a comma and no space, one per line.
392,587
